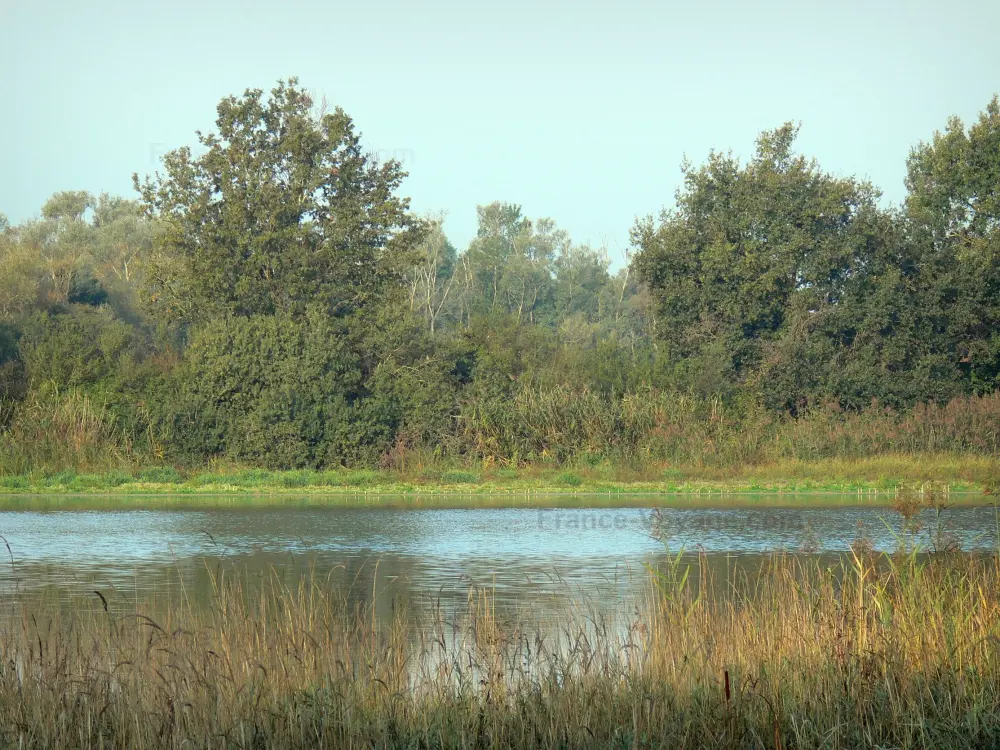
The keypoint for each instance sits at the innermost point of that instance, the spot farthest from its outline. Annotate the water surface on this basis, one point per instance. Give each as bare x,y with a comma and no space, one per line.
534,559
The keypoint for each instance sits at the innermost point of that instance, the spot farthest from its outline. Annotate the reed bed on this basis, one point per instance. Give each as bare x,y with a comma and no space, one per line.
876,651
590,435
55,431
562,424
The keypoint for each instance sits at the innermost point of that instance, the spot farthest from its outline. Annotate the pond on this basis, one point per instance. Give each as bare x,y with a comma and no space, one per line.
536,560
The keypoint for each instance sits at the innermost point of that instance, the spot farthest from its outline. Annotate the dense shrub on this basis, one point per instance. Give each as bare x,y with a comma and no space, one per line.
290,393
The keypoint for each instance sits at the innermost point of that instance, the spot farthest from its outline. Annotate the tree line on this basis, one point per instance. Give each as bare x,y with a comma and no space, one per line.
270,298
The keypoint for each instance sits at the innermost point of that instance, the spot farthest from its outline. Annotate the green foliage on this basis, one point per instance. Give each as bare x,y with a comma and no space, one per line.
459,477
299,479
268,390
66,432
270,301
653,427
284,392
954,211
569,479
78,346
85,289
13,382
69,205
161,475
283,210
508,266
779,279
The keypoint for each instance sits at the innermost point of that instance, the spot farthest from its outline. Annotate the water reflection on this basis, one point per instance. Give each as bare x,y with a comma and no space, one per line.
537,560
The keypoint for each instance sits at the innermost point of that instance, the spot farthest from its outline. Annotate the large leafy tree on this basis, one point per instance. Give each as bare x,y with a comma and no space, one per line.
62,327
285,253
59,245
953,206
743,242
282,209
790,281
122,244
83,250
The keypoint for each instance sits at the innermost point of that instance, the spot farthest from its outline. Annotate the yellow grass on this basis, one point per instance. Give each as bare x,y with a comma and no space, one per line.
876,652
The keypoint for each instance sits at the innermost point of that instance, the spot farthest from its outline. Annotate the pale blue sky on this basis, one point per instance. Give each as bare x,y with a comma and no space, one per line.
579,111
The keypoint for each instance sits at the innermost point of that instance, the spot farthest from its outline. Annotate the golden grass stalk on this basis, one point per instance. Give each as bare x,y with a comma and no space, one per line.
876,651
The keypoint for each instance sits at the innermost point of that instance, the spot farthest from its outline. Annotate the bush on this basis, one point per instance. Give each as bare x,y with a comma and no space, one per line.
282,392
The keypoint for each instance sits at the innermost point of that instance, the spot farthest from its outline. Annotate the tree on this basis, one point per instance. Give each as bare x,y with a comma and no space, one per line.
287,391
432,278
760,255
509,264
68,205
284,253
59,244
282,210
124,239
581,278
953,205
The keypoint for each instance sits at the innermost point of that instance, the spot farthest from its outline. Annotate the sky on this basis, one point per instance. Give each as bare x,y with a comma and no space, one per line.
581,111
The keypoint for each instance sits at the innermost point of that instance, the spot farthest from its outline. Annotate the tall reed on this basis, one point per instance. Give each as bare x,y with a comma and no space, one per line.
874,651
560,424
638,433
58,431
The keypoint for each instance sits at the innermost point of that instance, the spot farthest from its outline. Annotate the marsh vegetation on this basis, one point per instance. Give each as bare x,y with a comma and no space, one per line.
270,302
878,650
890,641
268,315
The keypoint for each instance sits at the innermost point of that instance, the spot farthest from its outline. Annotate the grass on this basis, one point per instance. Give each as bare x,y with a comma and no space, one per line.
890,651
872,480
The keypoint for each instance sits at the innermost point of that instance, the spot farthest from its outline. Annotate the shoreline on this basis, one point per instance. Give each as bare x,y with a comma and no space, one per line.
458,501
870,481
516,494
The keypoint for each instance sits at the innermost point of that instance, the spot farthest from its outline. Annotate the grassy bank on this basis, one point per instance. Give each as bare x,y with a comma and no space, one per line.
559,442
883,652
874,480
